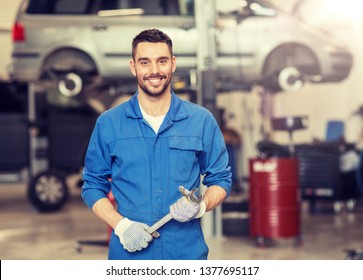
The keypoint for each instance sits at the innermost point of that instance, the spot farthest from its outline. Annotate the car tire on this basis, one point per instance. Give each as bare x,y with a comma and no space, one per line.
286,68
290,79
48,191
71,70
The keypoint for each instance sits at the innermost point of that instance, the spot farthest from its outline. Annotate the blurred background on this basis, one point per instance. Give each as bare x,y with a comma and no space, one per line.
282,77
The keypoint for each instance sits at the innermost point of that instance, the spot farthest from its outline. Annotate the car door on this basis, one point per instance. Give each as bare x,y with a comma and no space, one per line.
116,22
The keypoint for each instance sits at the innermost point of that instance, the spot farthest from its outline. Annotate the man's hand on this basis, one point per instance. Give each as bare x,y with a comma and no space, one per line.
133,235
183,210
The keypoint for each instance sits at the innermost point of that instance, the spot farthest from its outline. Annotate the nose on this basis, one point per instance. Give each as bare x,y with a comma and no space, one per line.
154,68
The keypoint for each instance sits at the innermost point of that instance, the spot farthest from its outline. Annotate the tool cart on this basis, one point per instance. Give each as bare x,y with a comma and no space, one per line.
322,178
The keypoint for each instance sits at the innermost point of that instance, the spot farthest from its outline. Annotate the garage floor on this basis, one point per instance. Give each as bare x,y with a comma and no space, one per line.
27,234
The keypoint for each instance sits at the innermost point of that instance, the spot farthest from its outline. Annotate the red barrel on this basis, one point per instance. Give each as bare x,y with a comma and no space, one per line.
274,200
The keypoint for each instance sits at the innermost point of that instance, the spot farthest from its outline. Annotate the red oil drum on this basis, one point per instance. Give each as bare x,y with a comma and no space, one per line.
274,200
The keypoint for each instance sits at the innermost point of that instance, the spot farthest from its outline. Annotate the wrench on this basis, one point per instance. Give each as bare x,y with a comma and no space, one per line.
191,197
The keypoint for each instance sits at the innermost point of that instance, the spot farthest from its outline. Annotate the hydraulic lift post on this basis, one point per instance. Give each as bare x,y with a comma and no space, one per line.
38,144
205,17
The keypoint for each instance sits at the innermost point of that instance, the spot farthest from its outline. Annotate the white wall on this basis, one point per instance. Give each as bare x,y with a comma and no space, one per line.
243,114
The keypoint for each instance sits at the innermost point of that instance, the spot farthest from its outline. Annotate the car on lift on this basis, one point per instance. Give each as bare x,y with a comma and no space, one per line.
88,42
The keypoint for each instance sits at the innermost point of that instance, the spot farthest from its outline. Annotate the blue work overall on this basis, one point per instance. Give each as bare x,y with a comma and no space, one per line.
147,169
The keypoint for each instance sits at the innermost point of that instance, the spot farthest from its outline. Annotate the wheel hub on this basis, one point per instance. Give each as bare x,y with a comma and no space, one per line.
49,189
71,85
290,79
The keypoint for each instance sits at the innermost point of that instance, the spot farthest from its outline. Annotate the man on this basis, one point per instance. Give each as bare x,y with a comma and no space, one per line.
148,147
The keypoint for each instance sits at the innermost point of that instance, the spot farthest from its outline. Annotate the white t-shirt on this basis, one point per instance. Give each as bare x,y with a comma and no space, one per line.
154,122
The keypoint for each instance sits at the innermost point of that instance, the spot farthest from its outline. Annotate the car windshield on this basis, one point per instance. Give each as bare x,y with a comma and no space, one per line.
246,8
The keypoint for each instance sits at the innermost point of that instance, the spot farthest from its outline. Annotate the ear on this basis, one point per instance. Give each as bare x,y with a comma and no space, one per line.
173,61
132,67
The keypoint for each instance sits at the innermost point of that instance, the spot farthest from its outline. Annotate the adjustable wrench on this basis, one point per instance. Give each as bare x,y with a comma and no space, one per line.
192,198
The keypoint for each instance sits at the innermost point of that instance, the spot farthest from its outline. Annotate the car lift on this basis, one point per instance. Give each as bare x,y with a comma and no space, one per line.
38,143
205,15
47,190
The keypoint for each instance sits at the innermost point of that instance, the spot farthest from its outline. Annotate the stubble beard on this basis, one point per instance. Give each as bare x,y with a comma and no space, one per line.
154,91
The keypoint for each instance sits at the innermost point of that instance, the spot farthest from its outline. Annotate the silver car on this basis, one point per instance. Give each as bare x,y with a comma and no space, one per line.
84,42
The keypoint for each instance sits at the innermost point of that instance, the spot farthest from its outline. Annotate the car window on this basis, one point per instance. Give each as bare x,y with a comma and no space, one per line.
260,8
112,7
146,7
59,7
246,8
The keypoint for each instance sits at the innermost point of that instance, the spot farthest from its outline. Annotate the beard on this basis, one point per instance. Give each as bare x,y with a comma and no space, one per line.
157,89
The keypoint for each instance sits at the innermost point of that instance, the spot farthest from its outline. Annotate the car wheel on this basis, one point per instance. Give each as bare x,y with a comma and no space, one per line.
48,191
70,70
287,67
290,79
70,85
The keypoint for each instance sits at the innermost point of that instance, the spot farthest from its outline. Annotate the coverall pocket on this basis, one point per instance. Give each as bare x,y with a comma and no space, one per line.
183,153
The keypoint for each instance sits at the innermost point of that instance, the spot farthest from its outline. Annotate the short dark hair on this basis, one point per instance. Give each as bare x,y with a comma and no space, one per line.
151,36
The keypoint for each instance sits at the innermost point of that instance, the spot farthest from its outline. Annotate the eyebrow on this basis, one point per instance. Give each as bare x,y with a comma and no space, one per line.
147,58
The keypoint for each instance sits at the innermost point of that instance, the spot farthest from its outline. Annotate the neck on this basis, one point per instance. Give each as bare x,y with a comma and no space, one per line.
155,106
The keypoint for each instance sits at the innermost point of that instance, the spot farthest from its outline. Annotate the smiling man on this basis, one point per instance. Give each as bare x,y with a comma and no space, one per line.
143,150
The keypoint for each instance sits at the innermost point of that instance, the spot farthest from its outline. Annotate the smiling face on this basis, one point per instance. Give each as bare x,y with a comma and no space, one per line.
153,66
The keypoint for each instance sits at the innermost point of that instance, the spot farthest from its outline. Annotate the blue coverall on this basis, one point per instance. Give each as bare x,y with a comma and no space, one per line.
147,169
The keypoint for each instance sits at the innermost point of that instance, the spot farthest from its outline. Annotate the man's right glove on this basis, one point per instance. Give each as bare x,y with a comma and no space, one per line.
183,210
133,235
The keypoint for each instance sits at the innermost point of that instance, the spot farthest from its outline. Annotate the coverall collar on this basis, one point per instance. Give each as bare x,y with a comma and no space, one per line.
177,110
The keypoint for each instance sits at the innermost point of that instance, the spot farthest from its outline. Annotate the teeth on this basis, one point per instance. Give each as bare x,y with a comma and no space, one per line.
154,81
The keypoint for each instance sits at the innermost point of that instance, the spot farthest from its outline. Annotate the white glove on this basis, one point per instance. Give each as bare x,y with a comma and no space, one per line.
133,235
184,210
202,209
